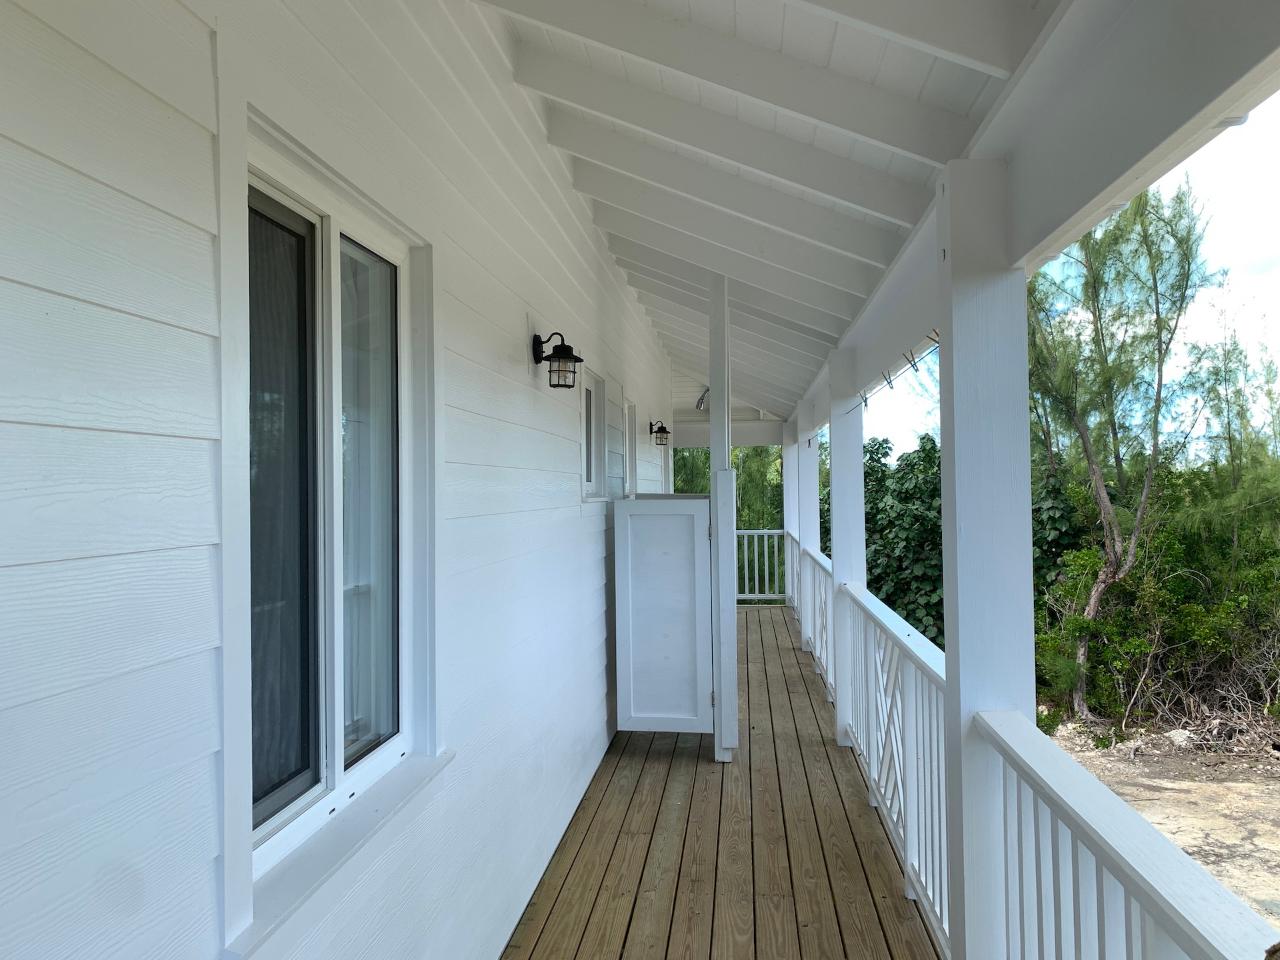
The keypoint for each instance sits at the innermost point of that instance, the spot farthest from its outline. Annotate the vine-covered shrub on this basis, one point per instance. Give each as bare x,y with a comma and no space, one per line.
904,532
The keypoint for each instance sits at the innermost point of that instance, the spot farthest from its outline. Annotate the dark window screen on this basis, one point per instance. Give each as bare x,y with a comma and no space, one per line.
282,488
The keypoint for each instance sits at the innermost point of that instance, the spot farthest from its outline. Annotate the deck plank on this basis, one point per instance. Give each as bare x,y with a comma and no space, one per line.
859,921
646,939
606,929
811,887
777,937
733,932
691,915
563,930
774,856
900,920
544,896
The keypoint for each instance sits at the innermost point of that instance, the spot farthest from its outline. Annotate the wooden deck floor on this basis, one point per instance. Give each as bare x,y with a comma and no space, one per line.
774,856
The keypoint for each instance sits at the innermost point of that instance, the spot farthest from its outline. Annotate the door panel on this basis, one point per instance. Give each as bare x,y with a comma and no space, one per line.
663,568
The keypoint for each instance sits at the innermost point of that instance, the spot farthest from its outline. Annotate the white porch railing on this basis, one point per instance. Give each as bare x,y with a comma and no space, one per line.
763,570
898,683
817,593
1085,877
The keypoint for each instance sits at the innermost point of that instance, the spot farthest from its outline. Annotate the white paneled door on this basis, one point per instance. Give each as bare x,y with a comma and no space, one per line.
663,565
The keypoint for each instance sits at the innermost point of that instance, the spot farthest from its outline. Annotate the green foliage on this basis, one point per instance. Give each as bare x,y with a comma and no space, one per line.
904,532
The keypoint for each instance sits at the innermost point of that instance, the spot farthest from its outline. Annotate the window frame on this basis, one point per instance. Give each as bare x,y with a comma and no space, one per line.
594,482
335,217
630,447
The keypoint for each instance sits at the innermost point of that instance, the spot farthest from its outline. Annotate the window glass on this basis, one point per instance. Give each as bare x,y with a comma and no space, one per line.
285,679
588,431
369,497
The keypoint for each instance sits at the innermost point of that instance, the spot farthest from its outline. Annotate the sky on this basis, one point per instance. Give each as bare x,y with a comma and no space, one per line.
1233,178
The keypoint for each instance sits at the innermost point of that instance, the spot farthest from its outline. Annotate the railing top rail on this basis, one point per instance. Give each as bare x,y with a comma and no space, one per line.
928,658
818,557
1196,911
776,533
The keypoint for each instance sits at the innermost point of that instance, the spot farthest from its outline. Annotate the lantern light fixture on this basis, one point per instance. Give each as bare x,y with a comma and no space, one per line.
661,435
562,362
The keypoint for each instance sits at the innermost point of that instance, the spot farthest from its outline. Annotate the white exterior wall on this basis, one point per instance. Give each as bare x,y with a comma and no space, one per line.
110,491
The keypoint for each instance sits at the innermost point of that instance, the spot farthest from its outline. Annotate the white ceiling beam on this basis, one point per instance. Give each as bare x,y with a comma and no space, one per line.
729,263
765,368
663,168
633,268
990,36
817,323
653,293
696,324
719,135
847,105
653,297
778,407
726,229
693,362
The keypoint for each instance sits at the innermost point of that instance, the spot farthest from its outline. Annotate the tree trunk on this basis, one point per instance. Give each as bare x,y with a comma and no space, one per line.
1079,706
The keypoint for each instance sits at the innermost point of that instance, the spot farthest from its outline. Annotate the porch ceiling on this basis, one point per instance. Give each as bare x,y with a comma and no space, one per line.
790,146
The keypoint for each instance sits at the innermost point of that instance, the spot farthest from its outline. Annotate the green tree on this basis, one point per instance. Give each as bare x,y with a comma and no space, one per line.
1100,335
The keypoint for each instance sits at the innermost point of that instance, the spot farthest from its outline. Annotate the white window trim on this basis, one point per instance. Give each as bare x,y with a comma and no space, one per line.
598,488
630,450
269,874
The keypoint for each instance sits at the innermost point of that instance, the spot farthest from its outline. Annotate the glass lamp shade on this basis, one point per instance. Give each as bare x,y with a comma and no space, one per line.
562,372
661,435
562,362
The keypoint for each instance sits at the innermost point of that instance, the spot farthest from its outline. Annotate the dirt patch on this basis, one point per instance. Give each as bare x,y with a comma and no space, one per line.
1222,809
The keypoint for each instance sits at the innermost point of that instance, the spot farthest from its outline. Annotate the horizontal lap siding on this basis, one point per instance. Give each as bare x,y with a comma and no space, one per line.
108,435
109,422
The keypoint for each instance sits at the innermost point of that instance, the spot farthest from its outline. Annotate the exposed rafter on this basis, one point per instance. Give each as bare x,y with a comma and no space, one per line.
693,369
693,362
761,364
725,229
818,323
801,89
772,208
721,260
718,135
653,293
692,320
990,36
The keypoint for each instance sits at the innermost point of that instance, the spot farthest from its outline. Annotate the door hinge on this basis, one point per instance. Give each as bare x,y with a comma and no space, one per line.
709,531
713,698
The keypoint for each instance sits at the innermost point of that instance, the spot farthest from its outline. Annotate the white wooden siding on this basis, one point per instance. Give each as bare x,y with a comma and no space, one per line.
109,430
108,427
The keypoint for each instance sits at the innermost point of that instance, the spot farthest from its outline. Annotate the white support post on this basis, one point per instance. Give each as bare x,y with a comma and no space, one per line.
724,532
807,510
790,508
848,526
986,510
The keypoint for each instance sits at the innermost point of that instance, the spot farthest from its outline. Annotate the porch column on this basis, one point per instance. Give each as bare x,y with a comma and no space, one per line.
807,509
724,531
986,541
790,519
848,525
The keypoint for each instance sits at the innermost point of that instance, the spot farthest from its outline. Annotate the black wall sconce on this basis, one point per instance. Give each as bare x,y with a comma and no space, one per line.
562,362
661,435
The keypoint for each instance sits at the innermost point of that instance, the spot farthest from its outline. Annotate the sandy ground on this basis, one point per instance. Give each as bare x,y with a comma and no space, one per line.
1222,809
